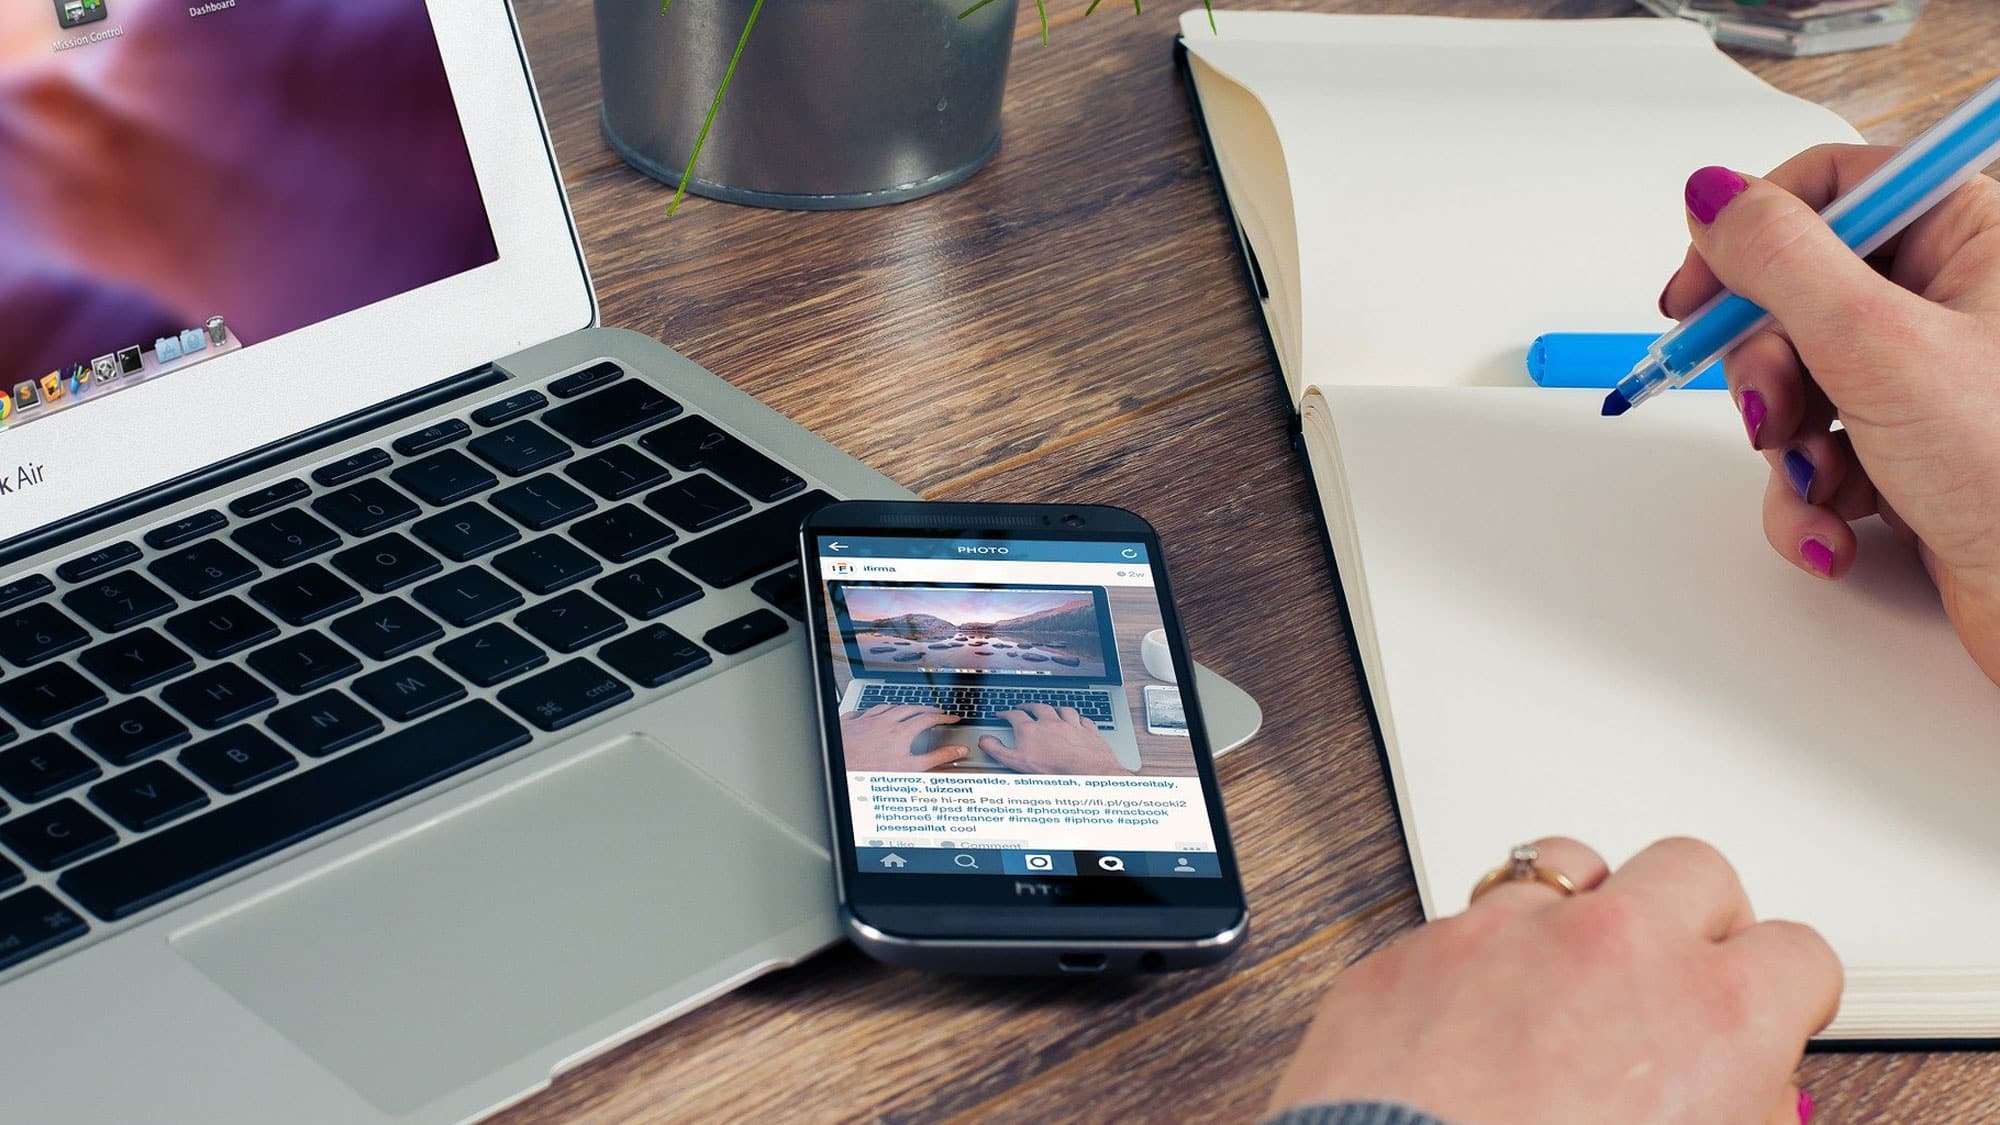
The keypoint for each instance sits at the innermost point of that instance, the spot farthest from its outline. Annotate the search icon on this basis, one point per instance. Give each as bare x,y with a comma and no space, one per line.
1110,863
964,860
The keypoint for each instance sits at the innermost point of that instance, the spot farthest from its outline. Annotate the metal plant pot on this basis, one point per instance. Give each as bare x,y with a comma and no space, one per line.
836,103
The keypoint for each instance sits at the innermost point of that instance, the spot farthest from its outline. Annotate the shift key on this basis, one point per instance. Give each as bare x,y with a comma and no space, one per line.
566,694
750,547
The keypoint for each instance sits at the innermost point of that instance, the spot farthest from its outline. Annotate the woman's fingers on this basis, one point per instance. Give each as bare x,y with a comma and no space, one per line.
1768,384
1688,882
1811,538
1569,858
1797,973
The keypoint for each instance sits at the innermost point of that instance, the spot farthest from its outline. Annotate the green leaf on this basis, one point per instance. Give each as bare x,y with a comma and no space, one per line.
1043,7
961,15
702,137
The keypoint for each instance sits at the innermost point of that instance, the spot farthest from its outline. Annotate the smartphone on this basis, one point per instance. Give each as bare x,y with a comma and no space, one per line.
1010,790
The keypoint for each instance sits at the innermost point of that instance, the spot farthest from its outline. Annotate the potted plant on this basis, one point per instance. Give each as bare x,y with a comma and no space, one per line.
807,104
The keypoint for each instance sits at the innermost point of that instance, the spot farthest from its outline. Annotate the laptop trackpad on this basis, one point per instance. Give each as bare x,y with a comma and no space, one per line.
472,942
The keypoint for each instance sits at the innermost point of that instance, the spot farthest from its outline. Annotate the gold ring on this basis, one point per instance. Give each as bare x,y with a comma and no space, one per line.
1522,866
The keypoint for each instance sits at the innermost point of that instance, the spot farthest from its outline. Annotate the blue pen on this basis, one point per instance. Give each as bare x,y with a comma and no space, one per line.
1915,180
1595,359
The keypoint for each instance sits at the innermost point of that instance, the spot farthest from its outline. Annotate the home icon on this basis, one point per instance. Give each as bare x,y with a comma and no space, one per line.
894,860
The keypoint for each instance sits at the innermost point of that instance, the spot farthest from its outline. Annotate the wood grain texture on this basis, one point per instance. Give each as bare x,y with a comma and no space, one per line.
1070,324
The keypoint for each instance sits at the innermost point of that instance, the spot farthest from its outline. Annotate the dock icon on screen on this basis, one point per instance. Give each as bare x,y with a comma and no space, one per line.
75,13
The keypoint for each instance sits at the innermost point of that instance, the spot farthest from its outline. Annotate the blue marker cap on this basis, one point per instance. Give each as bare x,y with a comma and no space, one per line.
1599,360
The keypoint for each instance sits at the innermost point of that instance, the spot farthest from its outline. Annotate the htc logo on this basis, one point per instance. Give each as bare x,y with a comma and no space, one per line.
1039,890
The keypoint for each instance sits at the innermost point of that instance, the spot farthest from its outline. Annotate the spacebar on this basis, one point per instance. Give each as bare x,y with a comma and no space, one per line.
193,852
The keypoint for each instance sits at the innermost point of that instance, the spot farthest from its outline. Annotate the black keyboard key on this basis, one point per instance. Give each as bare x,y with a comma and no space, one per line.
10,874
647,590
56,835
408,688
570,622
203,569
287,537
622,534
135,661
32,634
305,595
182,530
545,565
786,590
216,697
465,532
49,695
264,499
430,437
42,767
468,596
590,378
236,760
698,503
34,922
617,472
445,477
749,547
748,631
97,562
564,695
132,731
7,732
365,507
222,627
349,468
610,414
654,655
697,443
491,655
387,629
201,848
513,406
520,449
148,797
24,589
542,502
118,602
325,724
303,663
385,563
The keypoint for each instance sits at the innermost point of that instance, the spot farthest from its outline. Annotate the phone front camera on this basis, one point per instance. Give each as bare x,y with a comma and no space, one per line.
1073,520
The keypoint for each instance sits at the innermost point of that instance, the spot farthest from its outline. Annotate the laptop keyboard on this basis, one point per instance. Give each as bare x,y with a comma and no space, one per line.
244,682
983,704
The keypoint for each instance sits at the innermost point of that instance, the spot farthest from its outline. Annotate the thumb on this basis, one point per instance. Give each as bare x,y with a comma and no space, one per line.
942,756
1767,245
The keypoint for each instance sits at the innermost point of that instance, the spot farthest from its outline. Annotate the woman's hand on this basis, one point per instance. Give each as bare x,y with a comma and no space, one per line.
1652,995
1052,740
1903,350
883,739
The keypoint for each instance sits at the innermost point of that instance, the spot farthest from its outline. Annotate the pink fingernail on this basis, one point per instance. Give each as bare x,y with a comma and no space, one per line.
1805,1108
1752,405
1710,189
1818,555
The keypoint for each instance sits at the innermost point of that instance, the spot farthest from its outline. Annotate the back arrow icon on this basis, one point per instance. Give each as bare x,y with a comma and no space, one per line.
836,546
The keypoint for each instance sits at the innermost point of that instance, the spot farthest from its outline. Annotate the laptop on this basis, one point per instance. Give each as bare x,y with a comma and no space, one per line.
978,652
402,690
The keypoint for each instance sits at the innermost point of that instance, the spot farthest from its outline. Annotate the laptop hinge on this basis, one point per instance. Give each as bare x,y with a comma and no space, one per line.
247,464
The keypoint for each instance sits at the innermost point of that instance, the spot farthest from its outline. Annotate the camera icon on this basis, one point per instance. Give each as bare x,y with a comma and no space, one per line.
1038,862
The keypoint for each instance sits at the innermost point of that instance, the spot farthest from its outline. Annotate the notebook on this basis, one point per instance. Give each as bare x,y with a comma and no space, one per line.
1571,624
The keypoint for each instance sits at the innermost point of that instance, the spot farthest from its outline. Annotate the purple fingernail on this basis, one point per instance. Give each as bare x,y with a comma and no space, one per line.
1752,406
1800,472
1710,189
1805,1108
1818,555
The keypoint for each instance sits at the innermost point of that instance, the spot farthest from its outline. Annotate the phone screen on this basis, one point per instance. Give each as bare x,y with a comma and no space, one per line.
997,718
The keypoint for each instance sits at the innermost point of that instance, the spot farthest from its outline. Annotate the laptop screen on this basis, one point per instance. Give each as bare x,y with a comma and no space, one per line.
182,179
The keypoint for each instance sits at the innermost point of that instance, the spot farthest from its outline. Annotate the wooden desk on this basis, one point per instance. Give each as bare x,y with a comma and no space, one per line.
1071,325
